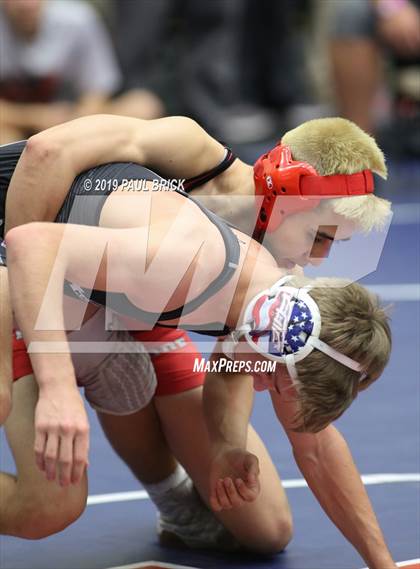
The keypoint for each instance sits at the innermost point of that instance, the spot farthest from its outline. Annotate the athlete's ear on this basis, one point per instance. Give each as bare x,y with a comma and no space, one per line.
286,385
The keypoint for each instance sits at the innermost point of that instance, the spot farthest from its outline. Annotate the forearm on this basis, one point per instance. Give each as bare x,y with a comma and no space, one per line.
228,400
335,481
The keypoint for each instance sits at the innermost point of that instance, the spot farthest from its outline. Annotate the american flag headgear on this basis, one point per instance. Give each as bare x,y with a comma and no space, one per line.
283,324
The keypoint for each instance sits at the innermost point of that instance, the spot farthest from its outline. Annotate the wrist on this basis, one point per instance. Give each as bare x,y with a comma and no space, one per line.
380,559
222,447
49,379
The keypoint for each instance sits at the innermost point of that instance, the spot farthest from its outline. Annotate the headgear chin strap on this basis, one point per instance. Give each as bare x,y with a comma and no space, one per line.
276,174
283,324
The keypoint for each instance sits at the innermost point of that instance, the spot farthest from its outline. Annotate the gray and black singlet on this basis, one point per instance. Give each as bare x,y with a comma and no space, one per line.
83,207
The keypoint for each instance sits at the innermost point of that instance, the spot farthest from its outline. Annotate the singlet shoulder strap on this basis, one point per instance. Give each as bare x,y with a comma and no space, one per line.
201,179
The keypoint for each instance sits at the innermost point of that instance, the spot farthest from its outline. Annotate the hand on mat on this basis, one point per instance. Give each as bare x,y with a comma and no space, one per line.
234,479
61,434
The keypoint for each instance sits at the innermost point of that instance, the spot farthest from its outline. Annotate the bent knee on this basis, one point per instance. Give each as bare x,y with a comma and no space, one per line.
273,539
279,539
42,518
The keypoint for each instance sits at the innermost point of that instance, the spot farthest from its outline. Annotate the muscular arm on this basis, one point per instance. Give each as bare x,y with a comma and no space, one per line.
228,400
327,465
40,257
39,260
177,147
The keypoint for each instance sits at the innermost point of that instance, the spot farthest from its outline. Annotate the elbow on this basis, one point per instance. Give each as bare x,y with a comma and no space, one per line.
15,239
18,238
309,454
41,149
314,449
308,458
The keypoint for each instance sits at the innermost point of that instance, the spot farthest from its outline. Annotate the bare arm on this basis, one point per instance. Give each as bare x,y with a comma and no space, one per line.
228,400
177,147
327,465
39,259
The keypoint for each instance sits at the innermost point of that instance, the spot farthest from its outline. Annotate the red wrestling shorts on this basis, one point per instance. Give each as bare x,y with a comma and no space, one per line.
173,360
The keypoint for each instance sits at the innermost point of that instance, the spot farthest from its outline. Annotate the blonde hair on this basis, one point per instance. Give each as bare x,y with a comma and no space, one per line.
355,324
338,146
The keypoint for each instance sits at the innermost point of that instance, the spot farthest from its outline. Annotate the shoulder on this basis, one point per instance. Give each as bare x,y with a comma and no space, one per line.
258,250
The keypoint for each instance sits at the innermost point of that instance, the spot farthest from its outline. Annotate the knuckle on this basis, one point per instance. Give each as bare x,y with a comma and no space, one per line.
79,460
82,428
66,428
42,426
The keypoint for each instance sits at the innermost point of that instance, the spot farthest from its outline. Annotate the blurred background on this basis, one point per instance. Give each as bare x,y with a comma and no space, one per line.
247,70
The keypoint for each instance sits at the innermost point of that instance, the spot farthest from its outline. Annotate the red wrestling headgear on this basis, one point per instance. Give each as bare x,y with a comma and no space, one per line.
276,174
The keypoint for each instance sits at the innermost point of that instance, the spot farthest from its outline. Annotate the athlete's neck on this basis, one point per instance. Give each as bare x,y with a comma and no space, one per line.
259,272
239,180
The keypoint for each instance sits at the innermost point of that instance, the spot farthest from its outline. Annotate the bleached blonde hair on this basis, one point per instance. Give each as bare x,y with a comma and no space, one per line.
355,324
338,146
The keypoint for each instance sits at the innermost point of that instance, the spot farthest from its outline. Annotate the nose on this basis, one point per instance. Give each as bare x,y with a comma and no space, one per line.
303,260
306,259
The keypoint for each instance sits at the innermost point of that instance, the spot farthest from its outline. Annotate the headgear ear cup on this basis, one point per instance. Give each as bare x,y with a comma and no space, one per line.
277,175
283,324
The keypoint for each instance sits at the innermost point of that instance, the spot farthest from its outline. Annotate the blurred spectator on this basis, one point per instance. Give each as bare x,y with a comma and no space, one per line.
364,34
141,31
214,91
57,62
245,68
234,65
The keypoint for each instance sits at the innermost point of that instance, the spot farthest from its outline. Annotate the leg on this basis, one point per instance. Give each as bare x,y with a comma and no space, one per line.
271,526
183,518
30,506
355,60
139,442
356,72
